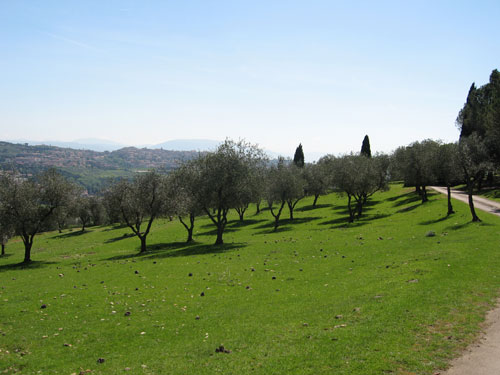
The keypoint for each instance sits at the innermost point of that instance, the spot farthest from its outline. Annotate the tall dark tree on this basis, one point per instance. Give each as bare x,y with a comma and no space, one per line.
28,204
481,115
365,147
298,157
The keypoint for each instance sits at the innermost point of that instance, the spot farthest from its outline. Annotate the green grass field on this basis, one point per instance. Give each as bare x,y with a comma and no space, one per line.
318,297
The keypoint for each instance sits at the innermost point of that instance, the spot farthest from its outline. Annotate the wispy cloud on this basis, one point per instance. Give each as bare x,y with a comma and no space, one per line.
70,41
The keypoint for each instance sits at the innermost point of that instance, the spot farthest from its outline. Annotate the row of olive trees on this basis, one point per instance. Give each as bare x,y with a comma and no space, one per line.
429,162
232,177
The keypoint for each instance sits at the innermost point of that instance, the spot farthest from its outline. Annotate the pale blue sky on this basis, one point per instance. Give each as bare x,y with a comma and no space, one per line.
276,73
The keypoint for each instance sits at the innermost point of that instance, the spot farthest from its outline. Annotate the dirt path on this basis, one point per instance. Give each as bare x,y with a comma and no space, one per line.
483,357
480,203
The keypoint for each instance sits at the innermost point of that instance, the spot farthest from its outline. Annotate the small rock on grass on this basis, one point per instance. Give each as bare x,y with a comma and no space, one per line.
221,349
100,360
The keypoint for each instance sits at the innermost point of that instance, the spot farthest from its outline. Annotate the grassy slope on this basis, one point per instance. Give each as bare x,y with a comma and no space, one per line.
328,275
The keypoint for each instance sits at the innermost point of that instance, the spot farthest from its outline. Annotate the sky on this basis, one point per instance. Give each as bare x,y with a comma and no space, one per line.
274,72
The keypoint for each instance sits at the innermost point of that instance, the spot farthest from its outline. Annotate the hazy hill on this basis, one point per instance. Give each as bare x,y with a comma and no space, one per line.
90,168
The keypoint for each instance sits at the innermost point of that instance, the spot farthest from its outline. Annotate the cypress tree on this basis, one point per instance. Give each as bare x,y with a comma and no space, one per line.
298,158
365,147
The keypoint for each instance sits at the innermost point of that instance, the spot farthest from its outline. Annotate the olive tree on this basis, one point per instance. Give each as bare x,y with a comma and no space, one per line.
446,169
139,201
83,211
283,185
224,177
474,162
6,232
27,204
316,180
359,178
414,163
184,188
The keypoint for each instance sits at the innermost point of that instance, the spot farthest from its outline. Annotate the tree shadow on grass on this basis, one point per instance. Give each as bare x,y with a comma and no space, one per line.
461,226
72,234
119,238
34,264
178,249
244,223
409,208
411,199
392,199
280,229
435,221
343,222
115,227
213,231
311,207
284,224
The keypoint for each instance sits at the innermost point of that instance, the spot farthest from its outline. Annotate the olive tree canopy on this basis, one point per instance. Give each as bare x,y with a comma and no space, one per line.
27,204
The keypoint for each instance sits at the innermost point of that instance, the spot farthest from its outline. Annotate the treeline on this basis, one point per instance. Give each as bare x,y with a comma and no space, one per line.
238,174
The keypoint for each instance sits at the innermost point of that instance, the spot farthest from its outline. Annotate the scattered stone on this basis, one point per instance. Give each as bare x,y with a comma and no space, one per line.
221,349
274,277
356,309
248,287
305,324
190,274
380,238
61,275
339,316
340,326
136,272
300,269
430,234
202,294
44,306
100,360
127,368
127,313
197,317
413,281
